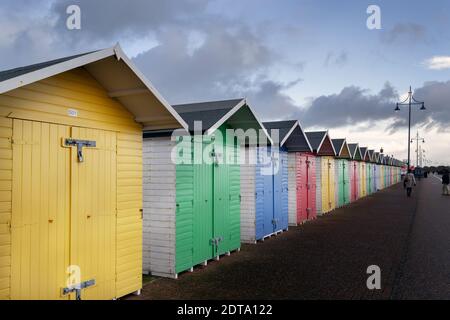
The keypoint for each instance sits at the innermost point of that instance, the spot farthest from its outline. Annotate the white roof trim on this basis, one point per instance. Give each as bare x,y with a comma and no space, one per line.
323,140
121,55
340,150
342,147
55,69
356,149
359,151
230,113
83,60
348,149
297,123
364,157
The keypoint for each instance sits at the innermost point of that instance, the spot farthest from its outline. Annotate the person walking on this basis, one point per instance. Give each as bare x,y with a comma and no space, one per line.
445,183
409,182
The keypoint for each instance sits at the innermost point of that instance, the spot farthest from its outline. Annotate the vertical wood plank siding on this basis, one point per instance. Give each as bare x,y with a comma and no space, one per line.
48,101
5,206
159,206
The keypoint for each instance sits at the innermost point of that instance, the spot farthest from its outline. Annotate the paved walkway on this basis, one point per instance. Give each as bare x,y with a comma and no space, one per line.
425,273
409,239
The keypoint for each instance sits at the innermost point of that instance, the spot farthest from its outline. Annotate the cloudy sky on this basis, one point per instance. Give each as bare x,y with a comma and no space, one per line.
312,60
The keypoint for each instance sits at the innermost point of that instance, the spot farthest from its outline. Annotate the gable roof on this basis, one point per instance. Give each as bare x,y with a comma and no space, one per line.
317,138
116,73
213,114
371,155
14,73
355,151
340,145
291,135
209,113
376,156
363,153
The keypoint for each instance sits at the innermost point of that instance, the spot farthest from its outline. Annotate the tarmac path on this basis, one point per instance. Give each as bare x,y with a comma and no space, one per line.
408,238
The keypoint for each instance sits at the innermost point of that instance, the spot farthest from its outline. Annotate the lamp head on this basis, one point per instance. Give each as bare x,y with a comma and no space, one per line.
423,107
397,108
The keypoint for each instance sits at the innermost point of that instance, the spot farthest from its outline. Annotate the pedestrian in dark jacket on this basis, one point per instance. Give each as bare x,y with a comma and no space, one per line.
445,183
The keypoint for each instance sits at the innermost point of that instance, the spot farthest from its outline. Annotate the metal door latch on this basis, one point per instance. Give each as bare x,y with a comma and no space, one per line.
215,241
77,288
80,144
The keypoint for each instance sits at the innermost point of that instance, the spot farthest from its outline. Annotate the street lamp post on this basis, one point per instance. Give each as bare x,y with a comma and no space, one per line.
417,139
423,156
409,101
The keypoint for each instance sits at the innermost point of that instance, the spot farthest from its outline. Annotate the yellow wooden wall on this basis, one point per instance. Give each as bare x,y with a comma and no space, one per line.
5,205
48,101
328,184
362,179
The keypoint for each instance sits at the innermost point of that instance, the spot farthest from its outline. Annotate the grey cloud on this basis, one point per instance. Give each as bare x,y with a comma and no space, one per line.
405,33
34,31
269,100
350,106
227,62
336,59
437,101
109,19
232,59
231,62
354,105
28,33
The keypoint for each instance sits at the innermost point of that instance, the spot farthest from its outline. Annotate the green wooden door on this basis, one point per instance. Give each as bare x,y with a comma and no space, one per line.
220,195
208,201
340,177
202,220
369,178
346,178
226,190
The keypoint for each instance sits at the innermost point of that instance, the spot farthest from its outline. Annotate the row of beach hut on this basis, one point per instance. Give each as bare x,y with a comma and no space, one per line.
101,180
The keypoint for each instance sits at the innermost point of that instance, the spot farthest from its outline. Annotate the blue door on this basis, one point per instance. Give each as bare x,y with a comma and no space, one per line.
278,189
284,191
260,204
